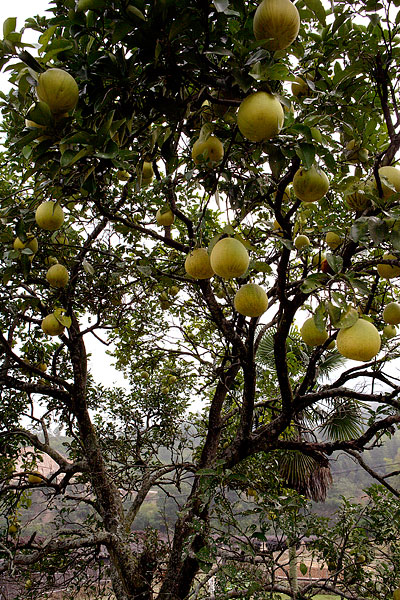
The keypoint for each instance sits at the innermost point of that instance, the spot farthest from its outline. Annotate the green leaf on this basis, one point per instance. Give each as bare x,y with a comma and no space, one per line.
317,8
303,568
335,262
313,282
306,153
378,230
135,12
348,318
9,26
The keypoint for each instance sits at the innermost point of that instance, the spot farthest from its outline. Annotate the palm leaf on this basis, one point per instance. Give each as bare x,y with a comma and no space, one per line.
304,474
343,422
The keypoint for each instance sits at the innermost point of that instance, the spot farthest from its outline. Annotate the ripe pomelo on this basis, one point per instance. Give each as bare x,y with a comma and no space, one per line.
58,89
389,331
388,271
49,215
301,241
57,276
311,335
310,185
277,22
197,264
333,240
299,87
392,175
361,341
260,117
229,258
30,243
251,300
52,326
391,313
165,217
209,152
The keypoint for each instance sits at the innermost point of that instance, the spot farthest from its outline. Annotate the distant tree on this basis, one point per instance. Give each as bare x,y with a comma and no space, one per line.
134,156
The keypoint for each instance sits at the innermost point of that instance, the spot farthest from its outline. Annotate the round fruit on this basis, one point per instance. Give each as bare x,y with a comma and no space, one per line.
58,89
197,264
360,342
277,22
333,240
311,335
299,87
52,326
35,478
391,313
355,196
147,172
12,529
388,271
209,152
251,300
356,154
396,594
229,258
260,117
389,331
165,217
301,241
392,175
57,276
123,175
145,375
49,215
30,243
310,185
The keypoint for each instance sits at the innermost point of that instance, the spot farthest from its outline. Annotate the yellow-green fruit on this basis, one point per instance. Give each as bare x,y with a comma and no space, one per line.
318,259
49,215
58,89
145,375
210,152
30,243
50,260
12,529
355,196
229,258
197,264
260,117
388,271
356,154
174,290
57,276
391,313
396,594
299,87
392,175
41,366
123,175
389,331
360,342
147,172
51,326
277,22
311,335
301,241
333,240
35,478
310,185
251,300
164,217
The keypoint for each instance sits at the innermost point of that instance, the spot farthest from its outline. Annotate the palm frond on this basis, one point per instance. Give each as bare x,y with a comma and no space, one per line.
330,361
343,422
305,474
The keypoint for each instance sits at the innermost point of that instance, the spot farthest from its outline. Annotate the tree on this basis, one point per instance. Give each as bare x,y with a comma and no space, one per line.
154,77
